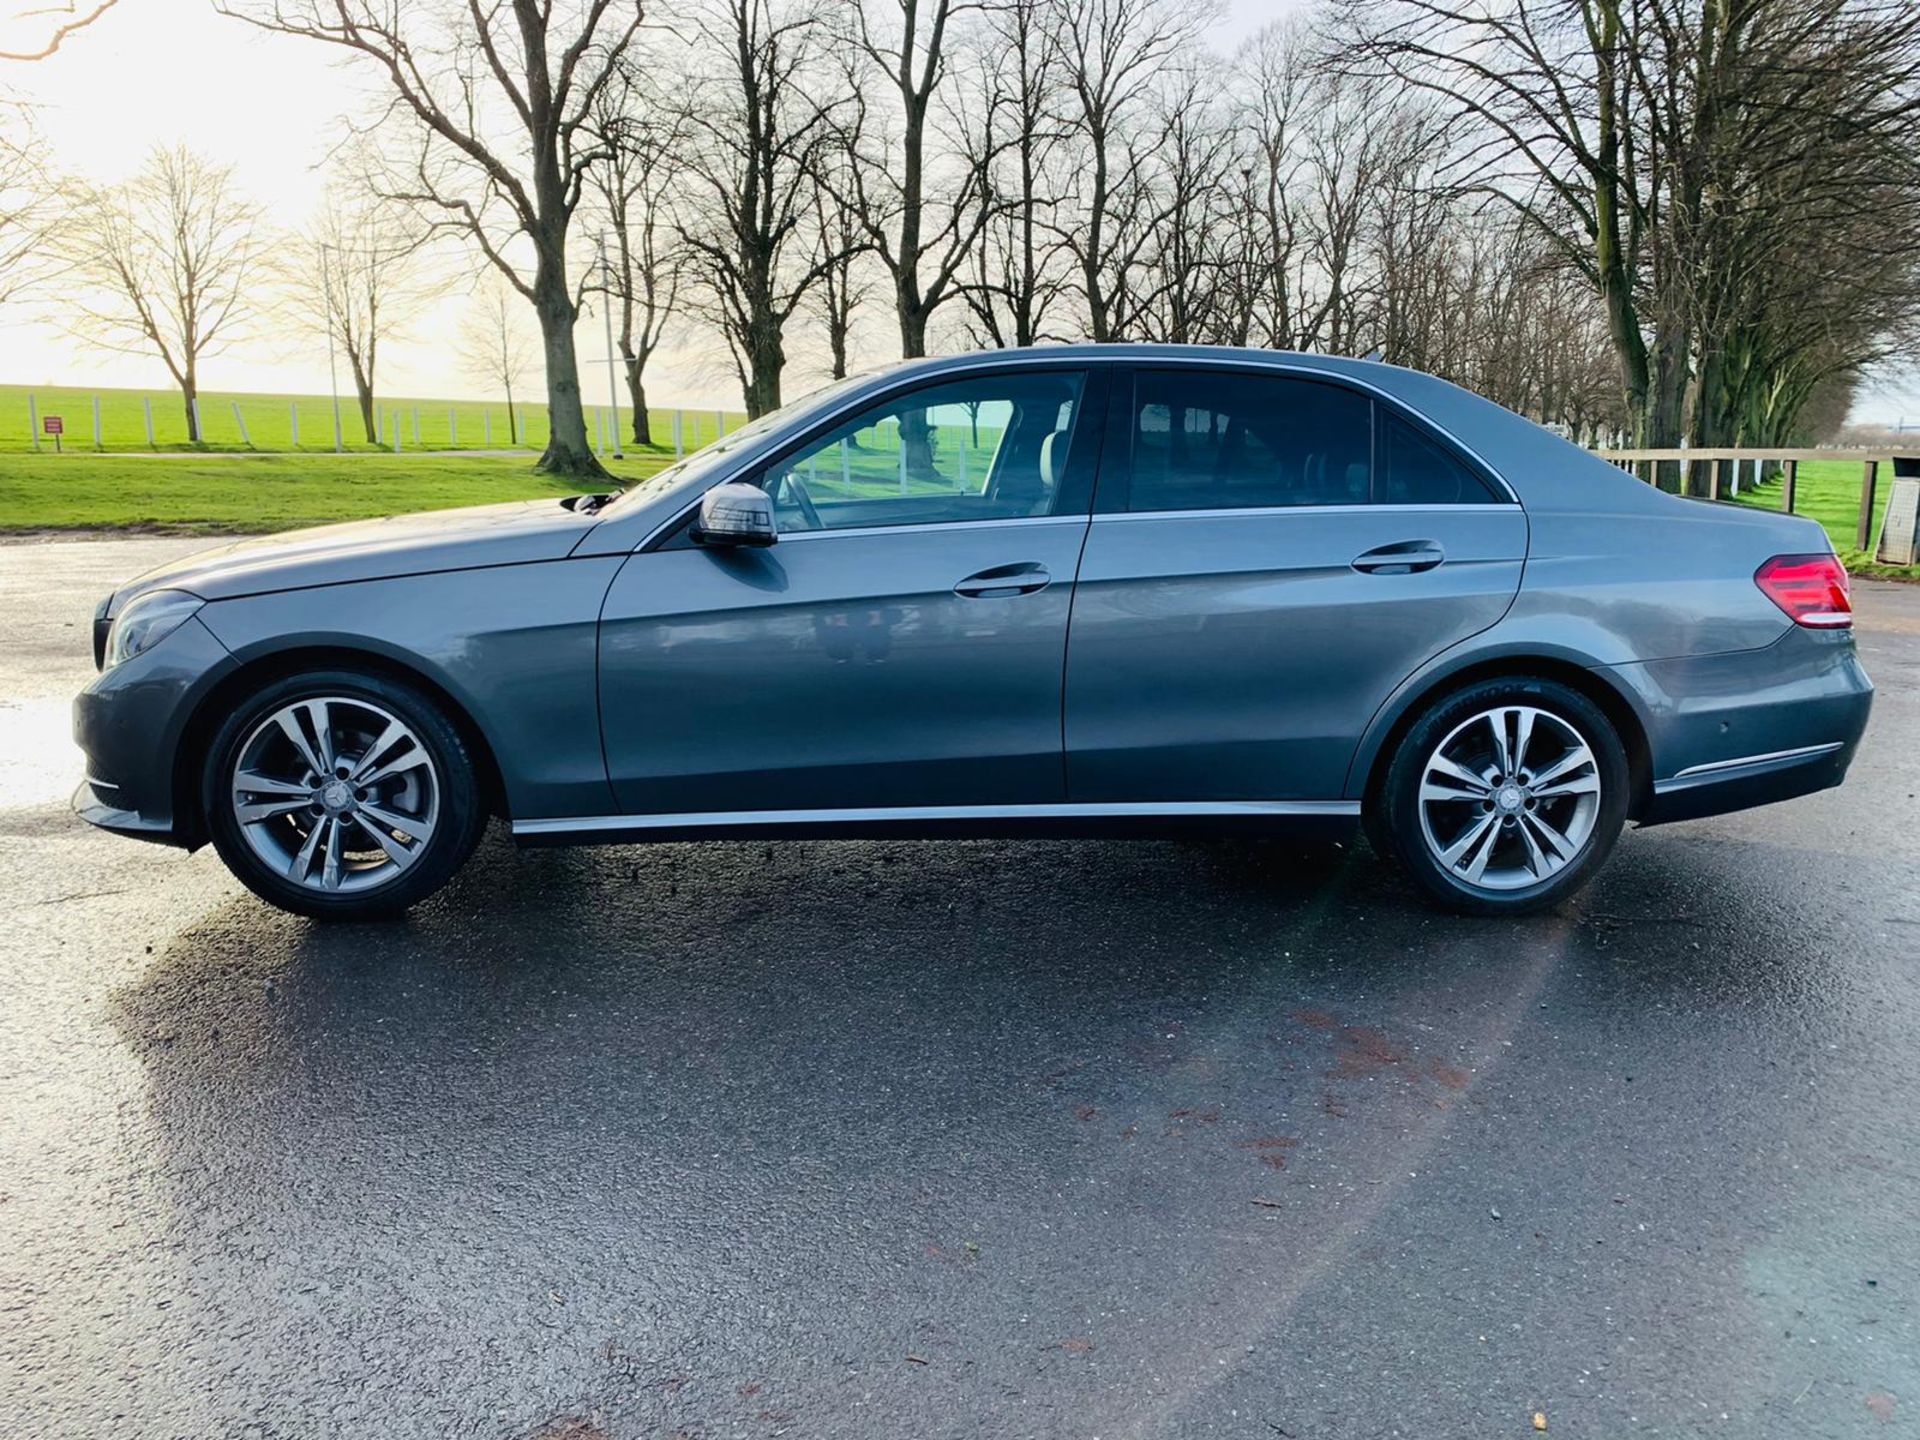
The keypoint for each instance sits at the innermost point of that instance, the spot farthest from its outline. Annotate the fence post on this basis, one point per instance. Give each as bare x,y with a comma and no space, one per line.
293,422
393,419
146,405
679,441
1790,478
486,424
1870,475
96,424
33,421
719,424
240,421
453,429
416,427
1713,478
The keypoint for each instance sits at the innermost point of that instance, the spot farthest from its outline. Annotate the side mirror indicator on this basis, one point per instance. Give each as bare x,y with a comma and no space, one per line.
736,514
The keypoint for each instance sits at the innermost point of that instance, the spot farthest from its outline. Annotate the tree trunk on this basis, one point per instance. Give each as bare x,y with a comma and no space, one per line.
567,452
190,392
637,397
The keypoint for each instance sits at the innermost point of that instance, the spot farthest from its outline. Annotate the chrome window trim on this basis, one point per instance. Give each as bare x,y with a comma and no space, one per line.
1041,358
1240,512
588,824
1740,762
789,537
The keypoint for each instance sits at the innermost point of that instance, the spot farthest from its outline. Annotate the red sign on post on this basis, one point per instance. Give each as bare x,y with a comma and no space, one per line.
54,425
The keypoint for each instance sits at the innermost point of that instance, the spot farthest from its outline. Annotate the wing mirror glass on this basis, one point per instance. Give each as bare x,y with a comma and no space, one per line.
736,514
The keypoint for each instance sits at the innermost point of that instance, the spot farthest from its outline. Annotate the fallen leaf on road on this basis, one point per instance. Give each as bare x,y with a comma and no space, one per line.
1539,1419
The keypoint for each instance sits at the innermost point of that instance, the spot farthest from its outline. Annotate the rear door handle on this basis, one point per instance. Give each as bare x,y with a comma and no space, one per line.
1404,557
1029,577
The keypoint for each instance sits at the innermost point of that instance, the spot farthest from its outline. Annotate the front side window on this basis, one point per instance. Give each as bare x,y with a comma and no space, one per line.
994,447
1229,440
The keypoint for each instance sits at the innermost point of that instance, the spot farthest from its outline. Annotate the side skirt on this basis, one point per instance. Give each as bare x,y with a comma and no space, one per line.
1096,821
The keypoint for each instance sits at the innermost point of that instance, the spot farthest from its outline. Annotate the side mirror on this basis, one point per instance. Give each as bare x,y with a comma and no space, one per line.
735,514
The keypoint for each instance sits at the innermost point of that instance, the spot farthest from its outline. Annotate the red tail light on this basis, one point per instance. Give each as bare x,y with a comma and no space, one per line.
1812,589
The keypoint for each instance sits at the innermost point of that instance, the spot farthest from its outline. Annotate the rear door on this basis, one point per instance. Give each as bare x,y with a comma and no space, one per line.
1270,556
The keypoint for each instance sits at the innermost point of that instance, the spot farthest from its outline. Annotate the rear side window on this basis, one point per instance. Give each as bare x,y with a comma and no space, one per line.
1228,440
1414,470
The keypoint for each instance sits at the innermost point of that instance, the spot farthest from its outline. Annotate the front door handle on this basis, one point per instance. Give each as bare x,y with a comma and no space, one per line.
1404,557
1026,578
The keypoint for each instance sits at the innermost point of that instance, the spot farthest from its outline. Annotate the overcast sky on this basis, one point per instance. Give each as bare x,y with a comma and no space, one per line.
166,71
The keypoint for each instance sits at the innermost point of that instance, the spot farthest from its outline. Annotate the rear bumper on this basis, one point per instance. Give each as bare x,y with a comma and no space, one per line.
1728,732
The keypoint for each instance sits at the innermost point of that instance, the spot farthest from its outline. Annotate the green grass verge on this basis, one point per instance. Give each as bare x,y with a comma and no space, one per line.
1829,491
269,422
255,493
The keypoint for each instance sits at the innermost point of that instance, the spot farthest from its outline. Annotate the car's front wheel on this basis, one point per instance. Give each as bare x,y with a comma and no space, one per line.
341,796
1506,796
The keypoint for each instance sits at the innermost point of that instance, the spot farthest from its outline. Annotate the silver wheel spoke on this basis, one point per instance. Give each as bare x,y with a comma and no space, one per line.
330,862
413,829
1523,736
1578,785
252,782
1537,860
399,854
1475,783
289,724
318,716
301,865
1565,765
1563,848
252,813
1474,833
1502,757
408,759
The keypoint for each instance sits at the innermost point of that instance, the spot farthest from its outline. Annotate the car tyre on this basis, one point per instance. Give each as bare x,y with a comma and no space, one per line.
392,804
1505,797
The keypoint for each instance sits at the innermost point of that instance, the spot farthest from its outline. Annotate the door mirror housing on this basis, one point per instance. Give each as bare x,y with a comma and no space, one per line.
736,514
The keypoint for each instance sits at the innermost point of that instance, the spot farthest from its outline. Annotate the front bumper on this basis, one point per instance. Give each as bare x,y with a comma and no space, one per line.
131,722
1731,731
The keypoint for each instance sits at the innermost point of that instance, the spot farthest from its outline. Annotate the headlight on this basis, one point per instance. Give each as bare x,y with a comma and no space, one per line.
147,621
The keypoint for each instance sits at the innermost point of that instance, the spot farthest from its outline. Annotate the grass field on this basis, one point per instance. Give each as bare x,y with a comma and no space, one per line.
268,422
218,495
1829,491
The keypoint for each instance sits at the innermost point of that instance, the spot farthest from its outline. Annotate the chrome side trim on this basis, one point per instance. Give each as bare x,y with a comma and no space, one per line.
906,814
1804,752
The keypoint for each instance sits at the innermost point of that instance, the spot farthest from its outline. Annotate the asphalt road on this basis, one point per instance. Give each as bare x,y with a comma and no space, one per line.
977,1139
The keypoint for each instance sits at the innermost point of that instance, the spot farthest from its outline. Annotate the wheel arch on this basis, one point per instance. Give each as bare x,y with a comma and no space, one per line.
1420,693
258,670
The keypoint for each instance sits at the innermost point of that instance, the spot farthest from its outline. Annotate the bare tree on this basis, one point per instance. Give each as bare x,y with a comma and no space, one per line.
29,205
357,274
759,126
915,197
839,241
39,39
1016,277
169,259
497,100
1113,52
494,346
642,260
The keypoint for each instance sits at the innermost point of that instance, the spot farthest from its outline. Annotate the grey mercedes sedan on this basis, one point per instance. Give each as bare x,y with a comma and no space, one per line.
1072,590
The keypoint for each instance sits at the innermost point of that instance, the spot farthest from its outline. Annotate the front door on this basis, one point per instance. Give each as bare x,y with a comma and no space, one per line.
1271,557
902,644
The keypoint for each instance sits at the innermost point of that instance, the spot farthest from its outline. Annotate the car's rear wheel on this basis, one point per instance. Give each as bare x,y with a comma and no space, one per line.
1506,796
341,796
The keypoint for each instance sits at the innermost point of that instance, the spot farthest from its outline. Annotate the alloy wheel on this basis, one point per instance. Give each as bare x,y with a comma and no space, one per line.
1509,798
335,793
